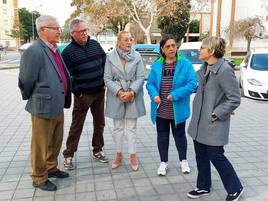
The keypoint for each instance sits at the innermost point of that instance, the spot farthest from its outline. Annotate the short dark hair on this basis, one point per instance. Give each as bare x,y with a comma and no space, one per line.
163,41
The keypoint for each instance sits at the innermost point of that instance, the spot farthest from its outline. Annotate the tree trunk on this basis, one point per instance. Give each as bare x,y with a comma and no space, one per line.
148,36
248,45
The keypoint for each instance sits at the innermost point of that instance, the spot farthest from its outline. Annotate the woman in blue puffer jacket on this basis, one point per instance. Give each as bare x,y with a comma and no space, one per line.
170,83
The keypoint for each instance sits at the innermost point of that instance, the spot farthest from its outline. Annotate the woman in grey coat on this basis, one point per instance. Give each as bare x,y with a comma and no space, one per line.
217,96
124,78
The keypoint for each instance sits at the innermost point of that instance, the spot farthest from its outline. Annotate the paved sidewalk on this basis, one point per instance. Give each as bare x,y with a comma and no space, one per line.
91,180
9,60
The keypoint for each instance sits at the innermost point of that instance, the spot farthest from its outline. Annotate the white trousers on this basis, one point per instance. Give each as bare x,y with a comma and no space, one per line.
128,126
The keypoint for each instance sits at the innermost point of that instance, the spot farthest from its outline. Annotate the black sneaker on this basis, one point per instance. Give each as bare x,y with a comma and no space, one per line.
47,186
235,196
197,193
100,157
58,174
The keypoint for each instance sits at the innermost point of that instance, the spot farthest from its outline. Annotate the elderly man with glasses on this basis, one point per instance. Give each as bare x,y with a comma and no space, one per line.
85,60
45,82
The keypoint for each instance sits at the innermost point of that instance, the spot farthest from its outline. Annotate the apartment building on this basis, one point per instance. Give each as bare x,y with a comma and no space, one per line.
225,12
8,14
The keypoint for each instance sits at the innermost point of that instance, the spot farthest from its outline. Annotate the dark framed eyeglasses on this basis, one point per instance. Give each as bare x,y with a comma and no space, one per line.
81,31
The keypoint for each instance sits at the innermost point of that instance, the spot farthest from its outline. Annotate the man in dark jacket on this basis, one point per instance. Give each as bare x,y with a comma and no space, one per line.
85,60
45,82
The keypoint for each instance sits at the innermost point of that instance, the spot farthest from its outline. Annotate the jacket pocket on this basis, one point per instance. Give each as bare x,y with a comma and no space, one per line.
41,103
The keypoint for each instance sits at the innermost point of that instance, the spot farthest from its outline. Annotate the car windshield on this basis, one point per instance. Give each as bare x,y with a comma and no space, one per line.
192,55
259,62
148,59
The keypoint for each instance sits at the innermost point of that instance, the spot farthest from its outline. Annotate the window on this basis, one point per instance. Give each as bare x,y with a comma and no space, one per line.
259,61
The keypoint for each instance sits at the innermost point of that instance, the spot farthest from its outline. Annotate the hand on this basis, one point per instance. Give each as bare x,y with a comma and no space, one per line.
125,96
169,98
128,96
213,117
157,99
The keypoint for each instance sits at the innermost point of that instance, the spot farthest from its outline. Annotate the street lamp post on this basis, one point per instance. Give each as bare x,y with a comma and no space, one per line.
33,19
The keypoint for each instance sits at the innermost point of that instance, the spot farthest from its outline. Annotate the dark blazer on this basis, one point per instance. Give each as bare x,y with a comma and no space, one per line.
41,84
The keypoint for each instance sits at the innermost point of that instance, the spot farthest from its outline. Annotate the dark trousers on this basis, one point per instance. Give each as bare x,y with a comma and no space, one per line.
215,154
178,131
81,106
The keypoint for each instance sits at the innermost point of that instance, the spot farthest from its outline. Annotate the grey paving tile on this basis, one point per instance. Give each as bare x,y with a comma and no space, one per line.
106,195
65,197
126,193
145,191
6,195
23,193
86,196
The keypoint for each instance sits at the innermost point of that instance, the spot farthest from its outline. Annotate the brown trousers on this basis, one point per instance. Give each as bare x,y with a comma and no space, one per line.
81,106
47,135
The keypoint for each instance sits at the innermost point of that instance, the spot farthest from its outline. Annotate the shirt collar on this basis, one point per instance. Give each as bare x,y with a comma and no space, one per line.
52,47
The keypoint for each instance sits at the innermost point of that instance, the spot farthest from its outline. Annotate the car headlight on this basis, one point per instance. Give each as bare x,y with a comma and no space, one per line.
254,82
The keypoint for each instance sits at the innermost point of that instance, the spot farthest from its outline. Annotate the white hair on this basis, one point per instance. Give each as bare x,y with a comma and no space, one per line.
43,21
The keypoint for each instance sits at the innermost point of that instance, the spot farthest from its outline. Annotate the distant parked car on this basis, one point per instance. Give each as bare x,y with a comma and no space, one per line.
190,50
61,47
149,53
254,75
23,47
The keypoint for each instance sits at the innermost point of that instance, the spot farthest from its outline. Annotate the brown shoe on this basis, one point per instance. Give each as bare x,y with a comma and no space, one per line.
117,161
133,162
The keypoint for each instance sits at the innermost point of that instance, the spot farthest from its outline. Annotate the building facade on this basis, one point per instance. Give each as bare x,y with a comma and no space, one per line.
8,15
225,12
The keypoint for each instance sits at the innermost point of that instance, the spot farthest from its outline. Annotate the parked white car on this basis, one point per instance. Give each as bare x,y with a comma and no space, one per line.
190,50
254,75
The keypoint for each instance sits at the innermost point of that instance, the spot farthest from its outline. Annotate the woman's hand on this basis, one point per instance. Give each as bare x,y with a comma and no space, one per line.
157,99
169,98
125,96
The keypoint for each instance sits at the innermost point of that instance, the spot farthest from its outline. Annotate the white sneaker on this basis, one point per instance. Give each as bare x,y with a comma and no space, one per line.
185,169
68,164
162,170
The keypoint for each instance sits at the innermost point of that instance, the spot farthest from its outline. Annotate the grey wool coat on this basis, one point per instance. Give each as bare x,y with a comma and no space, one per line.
220,94
41,84
117,77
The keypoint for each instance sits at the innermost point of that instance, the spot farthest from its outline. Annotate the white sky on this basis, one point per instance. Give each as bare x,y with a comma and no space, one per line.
60,9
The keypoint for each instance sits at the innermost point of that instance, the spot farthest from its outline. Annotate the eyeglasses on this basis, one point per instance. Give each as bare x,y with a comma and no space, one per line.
128,39
203,47
54,28
81,31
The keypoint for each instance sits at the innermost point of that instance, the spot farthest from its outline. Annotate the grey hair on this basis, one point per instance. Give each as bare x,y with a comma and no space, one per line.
43,20
217,44
75,22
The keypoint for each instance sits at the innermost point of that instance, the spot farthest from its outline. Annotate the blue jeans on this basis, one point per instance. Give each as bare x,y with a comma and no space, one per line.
178,131
215,154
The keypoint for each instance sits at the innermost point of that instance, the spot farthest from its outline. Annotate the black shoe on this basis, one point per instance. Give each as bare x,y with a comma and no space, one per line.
197,193
47,186
235,196
58,174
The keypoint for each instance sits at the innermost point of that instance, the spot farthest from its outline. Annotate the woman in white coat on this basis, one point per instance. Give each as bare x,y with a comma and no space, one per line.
124,78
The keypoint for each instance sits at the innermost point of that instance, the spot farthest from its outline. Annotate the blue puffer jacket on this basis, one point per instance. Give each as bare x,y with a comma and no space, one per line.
184,84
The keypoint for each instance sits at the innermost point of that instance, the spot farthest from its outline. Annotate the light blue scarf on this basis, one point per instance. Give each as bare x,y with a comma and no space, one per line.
128,56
